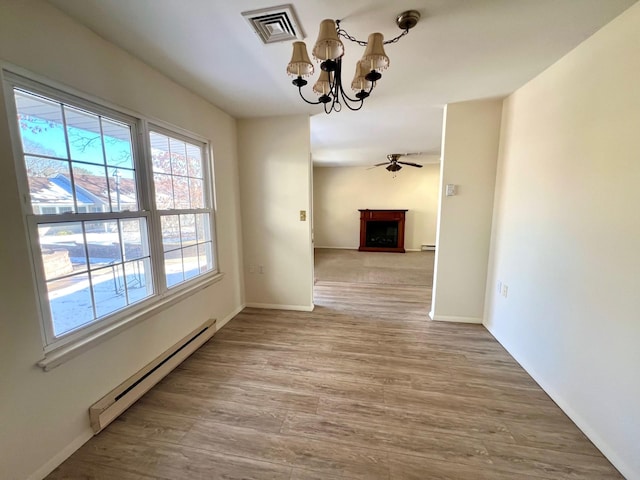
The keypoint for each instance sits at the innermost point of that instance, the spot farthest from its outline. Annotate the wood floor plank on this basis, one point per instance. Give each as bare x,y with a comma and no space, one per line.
82,470
312,385
407,467
546,462
363,387
174,462
291,450
265,418
472,424
403,439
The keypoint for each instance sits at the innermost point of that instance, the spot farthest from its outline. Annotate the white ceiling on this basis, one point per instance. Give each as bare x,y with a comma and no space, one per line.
460,50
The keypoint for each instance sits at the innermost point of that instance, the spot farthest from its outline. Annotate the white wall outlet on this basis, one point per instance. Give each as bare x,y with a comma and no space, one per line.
505,290
499,285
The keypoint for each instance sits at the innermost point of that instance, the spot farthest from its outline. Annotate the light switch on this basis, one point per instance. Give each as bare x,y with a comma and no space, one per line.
303,215
451,190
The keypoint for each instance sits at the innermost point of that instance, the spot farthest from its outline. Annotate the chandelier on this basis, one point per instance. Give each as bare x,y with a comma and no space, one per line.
329,49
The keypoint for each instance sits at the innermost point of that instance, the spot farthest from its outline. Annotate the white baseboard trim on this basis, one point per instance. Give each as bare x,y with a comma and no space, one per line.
61,456
226,319
455,319
336,248
623,467
269,306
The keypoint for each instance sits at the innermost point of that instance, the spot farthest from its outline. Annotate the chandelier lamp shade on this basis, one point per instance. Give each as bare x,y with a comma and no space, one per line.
329,50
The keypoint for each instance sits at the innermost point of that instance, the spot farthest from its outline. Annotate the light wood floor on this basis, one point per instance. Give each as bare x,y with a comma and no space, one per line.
364,387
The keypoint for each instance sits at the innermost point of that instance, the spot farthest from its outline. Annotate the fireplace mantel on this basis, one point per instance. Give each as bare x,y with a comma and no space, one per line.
382,230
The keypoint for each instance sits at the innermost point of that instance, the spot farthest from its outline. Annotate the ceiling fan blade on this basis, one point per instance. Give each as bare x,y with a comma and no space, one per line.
377,165
411,164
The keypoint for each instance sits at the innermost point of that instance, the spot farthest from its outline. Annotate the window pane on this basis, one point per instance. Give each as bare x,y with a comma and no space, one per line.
205,257
123,190
181,192
49,185
83,130
70,303
196,193
173,267
41,126
139,279
160,157
134,233
90,184
203,232
170,232
108,289
103,243
117,144
190,262
188,229
62,249
164,191
178,157
194,161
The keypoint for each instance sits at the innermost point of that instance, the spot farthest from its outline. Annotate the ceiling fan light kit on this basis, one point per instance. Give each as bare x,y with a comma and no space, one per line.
329,49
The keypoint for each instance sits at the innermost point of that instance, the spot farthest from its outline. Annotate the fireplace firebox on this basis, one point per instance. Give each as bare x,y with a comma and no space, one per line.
382,230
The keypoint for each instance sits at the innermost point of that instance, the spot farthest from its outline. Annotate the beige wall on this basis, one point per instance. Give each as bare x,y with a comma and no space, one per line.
338,193
567,235
43,416
275,173
469,155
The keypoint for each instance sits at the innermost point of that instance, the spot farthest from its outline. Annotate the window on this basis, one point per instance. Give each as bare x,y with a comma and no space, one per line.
178,179
117,220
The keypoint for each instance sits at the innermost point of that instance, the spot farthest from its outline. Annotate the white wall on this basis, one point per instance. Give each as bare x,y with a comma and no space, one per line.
275,184
470,141
339,192
43,416
566,236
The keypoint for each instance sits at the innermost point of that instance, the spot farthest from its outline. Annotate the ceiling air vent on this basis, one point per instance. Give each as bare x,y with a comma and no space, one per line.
275,24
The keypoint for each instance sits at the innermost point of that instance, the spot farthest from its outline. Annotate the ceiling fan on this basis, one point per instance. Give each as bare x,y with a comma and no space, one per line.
393,165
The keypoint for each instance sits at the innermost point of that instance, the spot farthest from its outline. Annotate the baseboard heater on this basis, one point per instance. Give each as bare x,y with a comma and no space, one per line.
109,407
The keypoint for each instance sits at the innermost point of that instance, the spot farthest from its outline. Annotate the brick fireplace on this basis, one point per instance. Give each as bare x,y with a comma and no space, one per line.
382,230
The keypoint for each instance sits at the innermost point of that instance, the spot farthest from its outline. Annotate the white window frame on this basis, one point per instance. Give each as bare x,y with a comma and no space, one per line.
58,349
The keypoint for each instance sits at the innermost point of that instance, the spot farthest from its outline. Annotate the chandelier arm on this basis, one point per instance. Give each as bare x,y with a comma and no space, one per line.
302,96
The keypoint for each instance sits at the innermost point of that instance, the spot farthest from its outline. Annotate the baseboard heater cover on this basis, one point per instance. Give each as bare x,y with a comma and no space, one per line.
109,407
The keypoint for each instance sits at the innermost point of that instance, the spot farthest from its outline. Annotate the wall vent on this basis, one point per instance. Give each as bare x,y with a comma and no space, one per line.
275,24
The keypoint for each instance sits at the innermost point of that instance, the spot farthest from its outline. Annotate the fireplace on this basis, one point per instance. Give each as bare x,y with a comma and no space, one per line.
382,230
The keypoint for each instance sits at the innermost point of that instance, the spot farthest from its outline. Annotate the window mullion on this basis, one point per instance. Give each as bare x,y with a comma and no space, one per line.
71,174
147,188
106,167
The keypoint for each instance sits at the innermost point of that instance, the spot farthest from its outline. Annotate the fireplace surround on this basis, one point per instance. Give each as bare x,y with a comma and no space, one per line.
382,230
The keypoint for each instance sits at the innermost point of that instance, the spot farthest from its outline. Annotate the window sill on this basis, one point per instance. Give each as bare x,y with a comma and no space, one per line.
61,355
